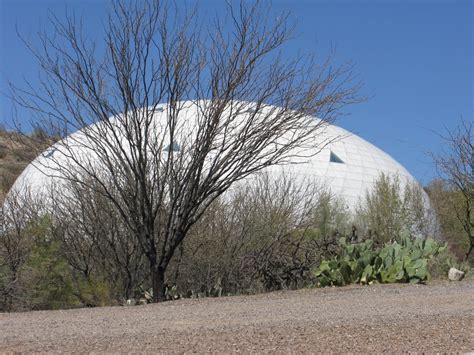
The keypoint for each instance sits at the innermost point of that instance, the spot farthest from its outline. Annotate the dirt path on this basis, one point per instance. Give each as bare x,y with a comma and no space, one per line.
379,318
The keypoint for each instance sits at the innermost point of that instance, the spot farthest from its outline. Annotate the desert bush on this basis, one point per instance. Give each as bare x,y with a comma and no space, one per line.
98,245
46,273
95,291
266,235
455,164
19,221
34,270
406,261
443,198
443,261
390,210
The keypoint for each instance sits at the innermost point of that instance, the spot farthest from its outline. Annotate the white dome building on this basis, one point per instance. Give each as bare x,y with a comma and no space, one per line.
348,165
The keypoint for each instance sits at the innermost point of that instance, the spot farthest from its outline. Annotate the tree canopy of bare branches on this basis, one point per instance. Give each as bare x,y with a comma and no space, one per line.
456,166
170,111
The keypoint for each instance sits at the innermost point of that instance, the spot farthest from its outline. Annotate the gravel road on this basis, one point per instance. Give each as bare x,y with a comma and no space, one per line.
379,318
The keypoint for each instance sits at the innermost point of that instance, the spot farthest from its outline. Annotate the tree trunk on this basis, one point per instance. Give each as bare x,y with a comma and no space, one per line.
471,247
158,283
158,268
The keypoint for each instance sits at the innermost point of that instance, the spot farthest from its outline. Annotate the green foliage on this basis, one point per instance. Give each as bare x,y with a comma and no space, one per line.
443,261
48,274
329,216
406,261
267,237
94,291
389,211
381,212
445,199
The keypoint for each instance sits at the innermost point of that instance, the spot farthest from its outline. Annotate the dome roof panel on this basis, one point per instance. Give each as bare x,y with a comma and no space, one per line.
362,162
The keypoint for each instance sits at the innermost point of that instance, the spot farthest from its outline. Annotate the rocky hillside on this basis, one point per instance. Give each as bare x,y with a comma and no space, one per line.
16,152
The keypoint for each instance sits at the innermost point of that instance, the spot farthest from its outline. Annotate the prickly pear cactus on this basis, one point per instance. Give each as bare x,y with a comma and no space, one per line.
403,261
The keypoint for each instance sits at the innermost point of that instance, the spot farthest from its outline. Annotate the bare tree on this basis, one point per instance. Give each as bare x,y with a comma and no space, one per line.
456,166
233,105
263,235
18,219
95,240
287,232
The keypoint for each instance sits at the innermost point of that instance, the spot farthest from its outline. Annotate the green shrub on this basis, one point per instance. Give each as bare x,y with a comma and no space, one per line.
392,208
94,291
406,261
47,273
443,261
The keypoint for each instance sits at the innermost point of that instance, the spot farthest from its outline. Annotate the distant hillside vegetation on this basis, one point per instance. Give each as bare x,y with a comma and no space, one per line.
16,151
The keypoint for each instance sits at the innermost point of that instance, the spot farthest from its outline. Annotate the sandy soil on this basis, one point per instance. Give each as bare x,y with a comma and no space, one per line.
379,318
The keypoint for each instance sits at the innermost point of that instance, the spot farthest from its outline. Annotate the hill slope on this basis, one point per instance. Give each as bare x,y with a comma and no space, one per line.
15,154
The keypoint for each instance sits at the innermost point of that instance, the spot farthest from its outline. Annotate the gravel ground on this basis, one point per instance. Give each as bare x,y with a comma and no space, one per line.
379,318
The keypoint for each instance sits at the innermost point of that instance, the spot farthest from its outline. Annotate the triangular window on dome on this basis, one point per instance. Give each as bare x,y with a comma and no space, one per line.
49,153
333,158
174,147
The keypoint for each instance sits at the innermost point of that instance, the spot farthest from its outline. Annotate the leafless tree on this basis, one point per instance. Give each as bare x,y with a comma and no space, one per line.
266,234
95,240
159,168
288,239
456,166
18,219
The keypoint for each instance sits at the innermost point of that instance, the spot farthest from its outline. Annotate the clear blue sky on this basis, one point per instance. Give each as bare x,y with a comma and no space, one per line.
415,58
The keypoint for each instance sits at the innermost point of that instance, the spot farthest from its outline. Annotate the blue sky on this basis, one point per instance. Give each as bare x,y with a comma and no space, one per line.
415,58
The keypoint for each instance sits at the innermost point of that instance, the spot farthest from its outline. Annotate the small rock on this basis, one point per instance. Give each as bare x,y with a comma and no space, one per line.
142,301
455,274
130,302
148,295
